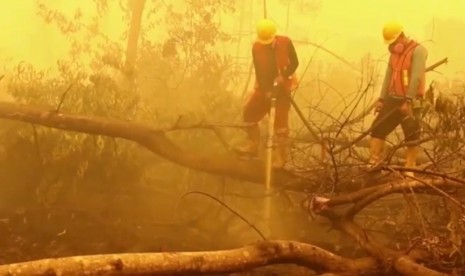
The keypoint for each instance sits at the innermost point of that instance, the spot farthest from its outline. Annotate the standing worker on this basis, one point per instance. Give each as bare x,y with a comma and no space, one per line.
275,61
401,96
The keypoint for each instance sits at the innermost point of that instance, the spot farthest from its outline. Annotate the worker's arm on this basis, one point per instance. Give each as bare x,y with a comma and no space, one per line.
386,83
258,75
419,57
293,61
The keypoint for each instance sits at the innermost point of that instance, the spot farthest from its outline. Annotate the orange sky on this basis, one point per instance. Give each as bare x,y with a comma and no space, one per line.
24,36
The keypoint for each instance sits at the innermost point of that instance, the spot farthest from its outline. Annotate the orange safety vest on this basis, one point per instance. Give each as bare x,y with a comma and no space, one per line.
280,46
401,65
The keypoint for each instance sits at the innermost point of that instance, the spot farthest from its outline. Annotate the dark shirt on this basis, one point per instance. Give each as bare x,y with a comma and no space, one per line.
266,75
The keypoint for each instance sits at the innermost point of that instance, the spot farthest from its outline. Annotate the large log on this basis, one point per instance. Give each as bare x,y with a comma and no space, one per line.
185,263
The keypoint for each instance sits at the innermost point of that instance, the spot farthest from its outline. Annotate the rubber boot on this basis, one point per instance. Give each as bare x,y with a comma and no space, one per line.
252,143
410,159
376,152
281,151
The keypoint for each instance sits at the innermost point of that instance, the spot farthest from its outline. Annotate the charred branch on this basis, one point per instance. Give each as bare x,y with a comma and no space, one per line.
184,263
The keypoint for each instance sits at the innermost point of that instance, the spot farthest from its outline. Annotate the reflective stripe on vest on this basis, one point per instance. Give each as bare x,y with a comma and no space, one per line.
401,65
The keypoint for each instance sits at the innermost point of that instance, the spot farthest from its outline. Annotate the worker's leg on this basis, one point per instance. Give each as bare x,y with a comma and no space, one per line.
281,143
254,111
412,129
388,118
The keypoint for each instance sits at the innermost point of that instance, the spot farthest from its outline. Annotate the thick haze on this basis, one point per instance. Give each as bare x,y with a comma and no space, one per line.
131,197
347,27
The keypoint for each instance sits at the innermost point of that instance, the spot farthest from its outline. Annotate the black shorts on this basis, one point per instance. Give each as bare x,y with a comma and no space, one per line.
390,116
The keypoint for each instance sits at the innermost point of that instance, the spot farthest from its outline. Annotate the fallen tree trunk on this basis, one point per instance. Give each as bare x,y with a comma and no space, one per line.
225,261
152,139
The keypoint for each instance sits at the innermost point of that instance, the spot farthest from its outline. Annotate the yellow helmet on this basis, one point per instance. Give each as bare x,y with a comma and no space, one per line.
391,31
266,31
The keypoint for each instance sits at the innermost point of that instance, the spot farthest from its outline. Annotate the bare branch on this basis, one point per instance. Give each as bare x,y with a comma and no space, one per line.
365,196
153,139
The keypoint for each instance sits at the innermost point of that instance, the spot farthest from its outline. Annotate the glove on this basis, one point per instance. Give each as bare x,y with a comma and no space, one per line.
279,80
378,106
406,108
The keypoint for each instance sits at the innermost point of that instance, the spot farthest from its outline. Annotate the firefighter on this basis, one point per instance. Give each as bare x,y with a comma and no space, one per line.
401,94
275,61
